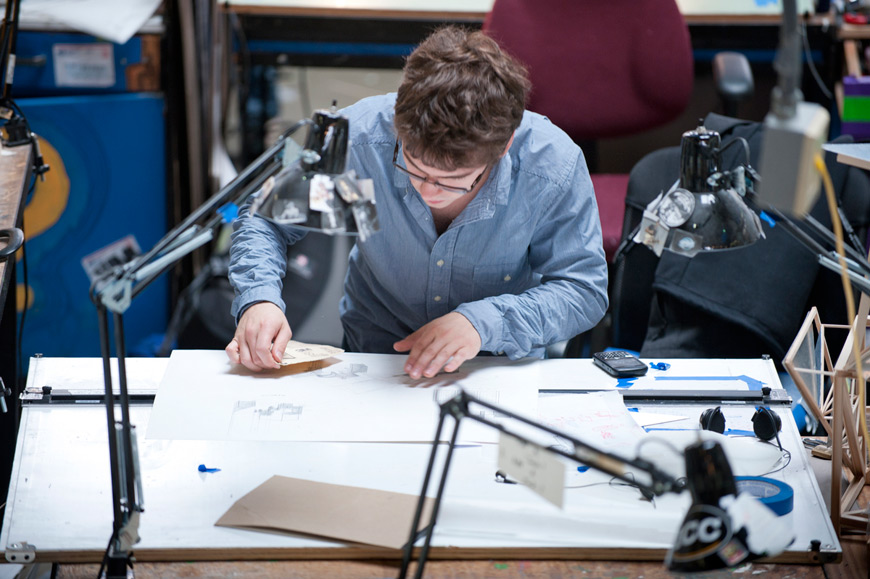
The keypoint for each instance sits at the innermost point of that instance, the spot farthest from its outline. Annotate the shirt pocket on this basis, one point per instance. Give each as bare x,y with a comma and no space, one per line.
503,278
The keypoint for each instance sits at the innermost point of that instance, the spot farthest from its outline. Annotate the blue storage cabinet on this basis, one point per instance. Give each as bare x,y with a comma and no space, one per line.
107,181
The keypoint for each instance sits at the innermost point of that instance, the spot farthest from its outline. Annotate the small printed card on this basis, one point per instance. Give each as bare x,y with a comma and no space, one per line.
299,352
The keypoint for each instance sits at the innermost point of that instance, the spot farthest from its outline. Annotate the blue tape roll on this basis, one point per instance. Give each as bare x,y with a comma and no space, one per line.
778,496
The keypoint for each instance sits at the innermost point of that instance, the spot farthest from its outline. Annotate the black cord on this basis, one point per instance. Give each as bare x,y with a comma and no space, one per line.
743,142
660,440
809,60
20,338
786,457
648,495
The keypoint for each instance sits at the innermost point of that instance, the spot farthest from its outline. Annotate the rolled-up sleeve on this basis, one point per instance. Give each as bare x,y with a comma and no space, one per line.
258,260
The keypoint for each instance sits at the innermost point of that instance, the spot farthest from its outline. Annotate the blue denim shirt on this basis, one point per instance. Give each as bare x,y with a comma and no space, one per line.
523,261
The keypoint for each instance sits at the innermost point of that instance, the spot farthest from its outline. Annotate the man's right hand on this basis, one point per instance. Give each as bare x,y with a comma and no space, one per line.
261,337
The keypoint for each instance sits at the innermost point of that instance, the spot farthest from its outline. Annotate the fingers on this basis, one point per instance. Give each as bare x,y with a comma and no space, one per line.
405,344
422,354
232,351
261,338
456,360
445,343
436,357
433,359
280,345
247,354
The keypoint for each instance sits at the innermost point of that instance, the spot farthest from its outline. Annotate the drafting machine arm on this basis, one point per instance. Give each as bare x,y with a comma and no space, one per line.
323,158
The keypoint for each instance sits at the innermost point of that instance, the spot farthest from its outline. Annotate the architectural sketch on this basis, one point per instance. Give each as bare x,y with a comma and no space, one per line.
343,371
248,417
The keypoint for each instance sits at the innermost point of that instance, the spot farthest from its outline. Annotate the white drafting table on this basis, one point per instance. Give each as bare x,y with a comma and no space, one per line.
60,496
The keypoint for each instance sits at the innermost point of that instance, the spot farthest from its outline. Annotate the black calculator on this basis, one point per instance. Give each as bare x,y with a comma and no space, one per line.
619,363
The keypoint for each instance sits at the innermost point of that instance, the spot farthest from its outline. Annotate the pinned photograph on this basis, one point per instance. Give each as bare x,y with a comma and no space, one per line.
321,193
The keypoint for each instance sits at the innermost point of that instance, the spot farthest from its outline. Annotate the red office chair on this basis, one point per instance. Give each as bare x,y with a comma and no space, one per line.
600,69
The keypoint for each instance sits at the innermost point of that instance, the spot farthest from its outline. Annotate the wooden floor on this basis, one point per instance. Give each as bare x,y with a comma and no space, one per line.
855,560
853,566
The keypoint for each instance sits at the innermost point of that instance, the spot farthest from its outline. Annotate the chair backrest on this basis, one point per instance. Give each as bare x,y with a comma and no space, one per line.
599,68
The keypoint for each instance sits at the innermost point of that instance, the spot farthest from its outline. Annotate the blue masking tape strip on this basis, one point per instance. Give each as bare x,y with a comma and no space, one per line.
778,496
626,382
738,432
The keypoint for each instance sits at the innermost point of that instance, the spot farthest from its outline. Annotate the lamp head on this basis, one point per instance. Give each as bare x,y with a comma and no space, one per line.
722,528
704,210
313,191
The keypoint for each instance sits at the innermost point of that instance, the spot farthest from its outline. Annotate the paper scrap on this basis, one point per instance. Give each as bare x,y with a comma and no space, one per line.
346,513
534,466
115,20
649,418
299,352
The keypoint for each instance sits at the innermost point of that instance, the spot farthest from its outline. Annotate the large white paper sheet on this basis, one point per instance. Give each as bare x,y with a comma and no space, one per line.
353,398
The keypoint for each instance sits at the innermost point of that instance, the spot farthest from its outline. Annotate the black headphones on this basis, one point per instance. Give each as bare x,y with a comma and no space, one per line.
766,424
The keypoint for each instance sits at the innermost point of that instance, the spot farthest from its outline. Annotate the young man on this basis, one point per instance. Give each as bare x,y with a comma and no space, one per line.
490,237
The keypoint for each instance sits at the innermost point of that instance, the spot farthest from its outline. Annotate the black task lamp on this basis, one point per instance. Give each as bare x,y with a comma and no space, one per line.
705,209
721,529
331,199
794,131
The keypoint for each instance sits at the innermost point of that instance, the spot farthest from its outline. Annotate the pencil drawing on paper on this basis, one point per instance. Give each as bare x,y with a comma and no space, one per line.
442,395
343,371
250,417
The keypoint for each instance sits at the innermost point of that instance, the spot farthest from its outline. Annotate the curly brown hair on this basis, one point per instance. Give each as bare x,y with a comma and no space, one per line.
460,99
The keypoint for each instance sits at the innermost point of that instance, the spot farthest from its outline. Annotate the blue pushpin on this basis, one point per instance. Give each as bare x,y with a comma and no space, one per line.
229,212
659,365
203,468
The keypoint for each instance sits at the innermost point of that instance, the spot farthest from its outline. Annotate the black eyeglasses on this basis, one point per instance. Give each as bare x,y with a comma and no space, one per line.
421,179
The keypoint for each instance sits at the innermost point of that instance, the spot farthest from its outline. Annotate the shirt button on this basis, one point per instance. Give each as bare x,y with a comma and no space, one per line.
507,278
437,298
439,263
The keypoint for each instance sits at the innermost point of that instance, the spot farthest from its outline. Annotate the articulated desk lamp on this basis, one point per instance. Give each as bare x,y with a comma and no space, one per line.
721,529
707,208
311,191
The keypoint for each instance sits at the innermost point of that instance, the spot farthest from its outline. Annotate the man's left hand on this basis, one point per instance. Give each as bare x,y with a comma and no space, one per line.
445,342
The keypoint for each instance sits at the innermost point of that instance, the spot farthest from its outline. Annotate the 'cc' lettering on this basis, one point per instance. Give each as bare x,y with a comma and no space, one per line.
706,530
